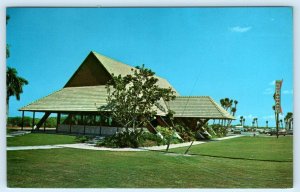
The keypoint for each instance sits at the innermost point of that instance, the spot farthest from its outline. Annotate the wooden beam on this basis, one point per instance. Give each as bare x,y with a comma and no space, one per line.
161,121
45,125
201,123
22,125
151,128
40,123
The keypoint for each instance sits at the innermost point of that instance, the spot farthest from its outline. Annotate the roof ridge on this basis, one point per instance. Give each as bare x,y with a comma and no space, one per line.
191,96
83,87
106,57
108,68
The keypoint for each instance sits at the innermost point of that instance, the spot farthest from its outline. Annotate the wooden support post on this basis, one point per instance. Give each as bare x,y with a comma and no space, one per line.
277,124
202,122
22,125
33,118
57,121
45,125
84,124
100,119
71,118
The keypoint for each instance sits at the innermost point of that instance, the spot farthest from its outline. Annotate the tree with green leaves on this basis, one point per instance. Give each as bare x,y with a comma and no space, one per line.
256,121
134,99
281,123
14,83
289,120
241,120
227,103
7,46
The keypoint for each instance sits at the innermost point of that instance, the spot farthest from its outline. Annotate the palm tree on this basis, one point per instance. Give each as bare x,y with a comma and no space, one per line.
256,119
14,85
273,107
241,120
281,122
228,103
222,102
235,103
289,120
7,46
233,111
267,124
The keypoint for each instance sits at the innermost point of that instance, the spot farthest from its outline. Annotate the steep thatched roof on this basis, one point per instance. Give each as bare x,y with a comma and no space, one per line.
86,92
118,68
97,69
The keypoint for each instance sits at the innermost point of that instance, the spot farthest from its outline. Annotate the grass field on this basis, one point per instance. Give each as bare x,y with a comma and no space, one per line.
34,139
55,168
259,148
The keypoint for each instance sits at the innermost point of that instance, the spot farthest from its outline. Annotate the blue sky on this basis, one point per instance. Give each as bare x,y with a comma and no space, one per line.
219,52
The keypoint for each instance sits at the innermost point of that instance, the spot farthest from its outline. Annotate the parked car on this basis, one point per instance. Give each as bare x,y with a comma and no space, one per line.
289,132
280,132
268,131
238,130
260,131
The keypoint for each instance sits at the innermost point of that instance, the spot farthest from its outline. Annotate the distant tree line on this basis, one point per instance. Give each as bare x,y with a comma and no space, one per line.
27,122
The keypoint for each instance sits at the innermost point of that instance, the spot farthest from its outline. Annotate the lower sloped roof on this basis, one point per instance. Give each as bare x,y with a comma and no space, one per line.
86,98
90,98
199,107
76,99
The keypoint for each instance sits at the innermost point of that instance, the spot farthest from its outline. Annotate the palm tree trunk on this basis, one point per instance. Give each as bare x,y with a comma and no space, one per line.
7,106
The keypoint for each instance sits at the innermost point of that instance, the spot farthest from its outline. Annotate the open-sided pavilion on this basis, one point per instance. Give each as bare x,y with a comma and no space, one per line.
77,103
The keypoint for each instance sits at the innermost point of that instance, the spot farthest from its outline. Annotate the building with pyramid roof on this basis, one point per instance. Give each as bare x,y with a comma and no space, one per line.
77,103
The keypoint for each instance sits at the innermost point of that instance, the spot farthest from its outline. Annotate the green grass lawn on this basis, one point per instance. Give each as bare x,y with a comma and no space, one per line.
34,139
260,148
54,168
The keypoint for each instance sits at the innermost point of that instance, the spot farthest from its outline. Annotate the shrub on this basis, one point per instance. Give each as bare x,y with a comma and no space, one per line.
133,139
81,139
123,139
220,130
185,133
150,138
169,135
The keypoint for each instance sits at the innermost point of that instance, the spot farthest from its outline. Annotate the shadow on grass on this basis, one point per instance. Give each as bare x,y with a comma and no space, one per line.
225,157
